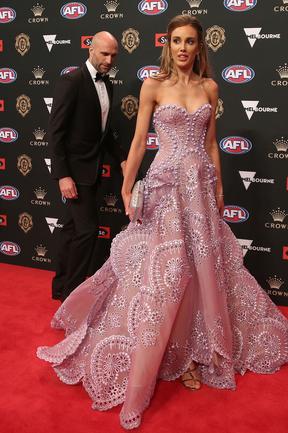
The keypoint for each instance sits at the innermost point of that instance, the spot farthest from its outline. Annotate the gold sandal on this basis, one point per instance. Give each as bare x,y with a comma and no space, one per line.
190,378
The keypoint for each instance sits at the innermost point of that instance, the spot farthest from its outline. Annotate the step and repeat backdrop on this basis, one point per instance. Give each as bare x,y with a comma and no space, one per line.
247,44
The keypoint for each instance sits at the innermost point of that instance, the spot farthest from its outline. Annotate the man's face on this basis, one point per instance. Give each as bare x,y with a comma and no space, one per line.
102,55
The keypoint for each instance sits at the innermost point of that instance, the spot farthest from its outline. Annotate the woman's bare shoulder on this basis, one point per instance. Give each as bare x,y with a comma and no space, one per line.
152,83
210,86
152,88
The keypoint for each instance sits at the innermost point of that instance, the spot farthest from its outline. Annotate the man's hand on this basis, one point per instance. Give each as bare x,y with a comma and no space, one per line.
68,188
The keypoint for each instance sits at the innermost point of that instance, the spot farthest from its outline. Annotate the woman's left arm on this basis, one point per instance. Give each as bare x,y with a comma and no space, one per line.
211,144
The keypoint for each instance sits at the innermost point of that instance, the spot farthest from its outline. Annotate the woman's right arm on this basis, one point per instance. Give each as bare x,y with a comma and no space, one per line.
138,145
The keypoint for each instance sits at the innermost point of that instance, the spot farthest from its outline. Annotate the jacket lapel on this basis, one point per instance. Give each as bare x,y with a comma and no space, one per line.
92,89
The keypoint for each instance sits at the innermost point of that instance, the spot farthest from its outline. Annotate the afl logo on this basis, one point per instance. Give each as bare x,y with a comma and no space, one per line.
10,248
235,145
68,70
152,141
73,10
238,74
8,192
7,75
150,7
7,15
240,5
147,71
235,214
8,135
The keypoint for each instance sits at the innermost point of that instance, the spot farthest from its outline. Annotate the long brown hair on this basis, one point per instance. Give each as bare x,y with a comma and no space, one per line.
200,65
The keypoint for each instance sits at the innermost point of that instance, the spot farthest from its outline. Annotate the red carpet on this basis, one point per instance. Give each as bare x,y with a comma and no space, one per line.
33,400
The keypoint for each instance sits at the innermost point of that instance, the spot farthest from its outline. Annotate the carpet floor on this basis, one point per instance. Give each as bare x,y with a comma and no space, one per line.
33,400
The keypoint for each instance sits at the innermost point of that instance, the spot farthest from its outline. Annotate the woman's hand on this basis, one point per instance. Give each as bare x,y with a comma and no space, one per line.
126,200
220,203
129,211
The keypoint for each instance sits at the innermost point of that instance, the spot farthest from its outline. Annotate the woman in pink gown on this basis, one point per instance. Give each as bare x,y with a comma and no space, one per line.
174,294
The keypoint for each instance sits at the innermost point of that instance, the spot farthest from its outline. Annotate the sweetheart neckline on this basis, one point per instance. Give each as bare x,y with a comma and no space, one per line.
183,108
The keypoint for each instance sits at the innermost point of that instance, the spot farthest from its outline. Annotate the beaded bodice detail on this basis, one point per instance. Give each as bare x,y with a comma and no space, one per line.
174,289
174,124
180,134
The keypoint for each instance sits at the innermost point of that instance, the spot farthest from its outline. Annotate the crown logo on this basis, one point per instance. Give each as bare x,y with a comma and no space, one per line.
283,70
39,133
41,250
278,215
111,5
110,199
38,72
285,2
281,145
275,282
38,10
194,3
113,72
40,193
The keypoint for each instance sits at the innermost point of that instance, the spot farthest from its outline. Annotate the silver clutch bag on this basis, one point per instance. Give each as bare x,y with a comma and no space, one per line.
137,200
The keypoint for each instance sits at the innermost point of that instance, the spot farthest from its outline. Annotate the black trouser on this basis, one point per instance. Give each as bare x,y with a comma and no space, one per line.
77,242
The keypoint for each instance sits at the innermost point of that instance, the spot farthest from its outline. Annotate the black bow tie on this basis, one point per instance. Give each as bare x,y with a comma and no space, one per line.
102,77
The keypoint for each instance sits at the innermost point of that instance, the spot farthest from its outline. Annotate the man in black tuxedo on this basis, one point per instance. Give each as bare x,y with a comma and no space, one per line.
80,133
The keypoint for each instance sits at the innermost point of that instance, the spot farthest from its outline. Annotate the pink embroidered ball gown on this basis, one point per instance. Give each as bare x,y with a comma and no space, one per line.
173,290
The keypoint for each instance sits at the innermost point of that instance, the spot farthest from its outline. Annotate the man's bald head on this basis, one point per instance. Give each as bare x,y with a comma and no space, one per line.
102,51
104,37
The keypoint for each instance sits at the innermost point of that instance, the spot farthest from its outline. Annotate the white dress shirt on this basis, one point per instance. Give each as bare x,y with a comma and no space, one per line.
102,93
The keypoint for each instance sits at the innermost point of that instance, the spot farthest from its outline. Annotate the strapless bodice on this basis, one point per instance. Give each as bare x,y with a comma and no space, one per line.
181,136
182,109
178,128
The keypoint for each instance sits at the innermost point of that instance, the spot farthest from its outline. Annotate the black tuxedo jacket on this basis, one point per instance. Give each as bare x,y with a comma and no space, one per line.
75,130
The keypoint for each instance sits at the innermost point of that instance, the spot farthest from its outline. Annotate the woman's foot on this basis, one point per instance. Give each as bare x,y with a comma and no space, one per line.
190,378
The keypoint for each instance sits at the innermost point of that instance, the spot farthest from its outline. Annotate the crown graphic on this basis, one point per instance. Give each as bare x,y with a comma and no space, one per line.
39,133
110,199
278,215
194,3
275,282
285,2
281,145
38,10
283,70
41,250
113,72
40,192
38,72
111,5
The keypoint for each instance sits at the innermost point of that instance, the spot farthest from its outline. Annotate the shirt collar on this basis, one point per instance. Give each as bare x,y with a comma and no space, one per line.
91,69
